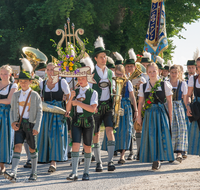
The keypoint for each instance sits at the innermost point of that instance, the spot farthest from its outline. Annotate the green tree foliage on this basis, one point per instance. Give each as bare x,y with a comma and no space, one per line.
122,23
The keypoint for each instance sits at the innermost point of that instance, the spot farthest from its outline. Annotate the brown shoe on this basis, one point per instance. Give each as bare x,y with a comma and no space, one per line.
156,165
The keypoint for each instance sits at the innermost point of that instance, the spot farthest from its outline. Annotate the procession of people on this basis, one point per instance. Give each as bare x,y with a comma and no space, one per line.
138,100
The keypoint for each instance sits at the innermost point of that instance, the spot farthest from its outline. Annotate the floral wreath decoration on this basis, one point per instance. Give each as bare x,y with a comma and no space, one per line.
150,100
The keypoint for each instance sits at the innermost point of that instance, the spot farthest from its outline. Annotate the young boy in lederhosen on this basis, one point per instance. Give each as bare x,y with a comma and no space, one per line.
26,127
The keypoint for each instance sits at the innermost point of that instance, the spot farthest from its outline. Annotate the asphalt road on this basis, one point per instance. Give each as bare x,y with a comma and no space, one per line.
131,175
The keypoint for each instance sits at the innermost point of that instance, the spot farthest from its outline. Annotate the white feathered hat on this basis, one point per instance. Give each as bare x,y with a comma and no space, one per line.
99,47
195,57
27,70
146,57
132,57
168,66
160,62
88,62
119,58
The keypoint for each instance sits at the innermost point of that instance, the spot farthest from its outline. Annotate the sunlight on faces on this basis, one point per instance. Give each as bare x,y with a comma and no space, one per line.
152,72
165,73
4,74
49,70
198,66
24,84
130,68
174,73
82,81
101,59
191,69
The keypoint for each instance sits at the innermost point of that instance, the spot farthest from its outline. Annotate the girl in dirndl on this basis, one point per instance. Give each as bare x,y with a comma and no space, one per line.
156,142
52,139
179,126
194,130
6,132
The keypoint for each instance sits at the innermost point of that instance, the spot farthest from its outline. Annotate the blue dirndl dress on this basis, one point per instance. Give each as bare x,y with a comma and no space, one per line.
6,135
156,144
194,137
124,131
52,138
6,131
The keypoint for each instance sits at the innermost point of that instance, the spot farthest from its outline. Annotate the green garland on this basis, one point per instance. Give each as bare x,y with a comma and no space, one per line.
150,100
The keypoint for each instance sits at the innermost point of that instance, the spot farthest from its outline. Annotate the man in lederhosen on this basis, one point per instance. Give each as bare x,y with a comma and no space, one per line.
104,87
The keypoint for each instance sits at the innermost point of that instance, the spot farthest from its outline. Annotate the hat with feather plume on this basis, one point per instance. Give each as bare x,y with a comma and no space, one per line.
146,57
27,70
132,58
119,58
99,47
110,63
168,66
195,57
160,62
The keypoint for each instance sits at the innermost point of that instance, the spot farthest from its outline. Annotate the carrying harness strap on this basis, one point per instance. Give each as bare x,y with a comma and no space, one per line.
20,121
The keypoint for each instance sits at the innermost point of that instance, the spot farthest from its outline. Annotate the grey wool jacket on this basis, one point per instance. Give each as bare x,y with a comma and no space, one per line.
35,113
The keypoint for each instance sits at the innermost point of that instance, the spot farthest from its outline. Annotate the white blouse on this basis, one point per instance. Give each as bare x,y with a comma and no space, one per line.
64,86
191,82
5,90
167,86
82,91
130,86
184,87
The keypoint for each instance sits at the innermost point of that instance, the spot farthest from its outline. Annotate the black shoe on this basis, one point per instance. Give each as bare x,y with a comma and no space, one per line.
28,164
85,177
33,177
10,176
121,161
99,167
111,166
51,169
130,156
93,158
136,157
69,155
72,177
115,153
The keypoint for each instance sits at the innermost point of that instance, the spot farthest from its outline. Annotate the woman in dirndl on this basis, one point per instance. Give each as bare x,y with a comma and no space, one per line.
6,132
194,130
156,142
124,131
52,139
179,126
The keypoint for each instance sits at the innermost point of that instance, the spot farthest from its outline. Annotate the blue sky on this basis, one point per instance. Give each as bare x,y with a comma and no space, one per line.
186,47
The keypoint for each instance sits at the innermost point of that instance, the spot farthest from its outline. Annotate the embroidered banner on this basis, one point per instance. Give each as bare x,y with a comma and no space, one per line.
156,38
